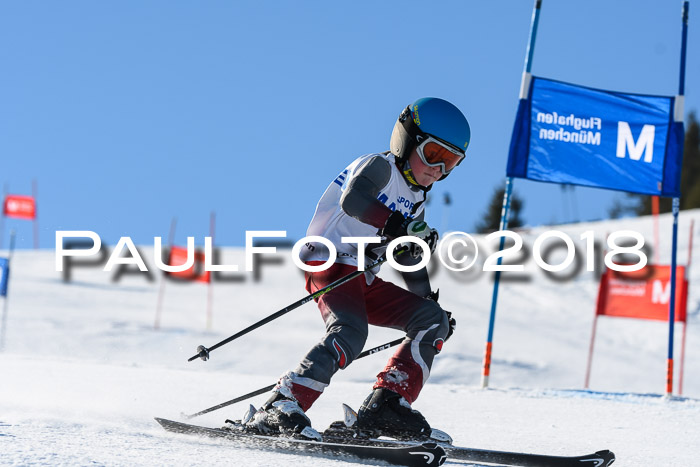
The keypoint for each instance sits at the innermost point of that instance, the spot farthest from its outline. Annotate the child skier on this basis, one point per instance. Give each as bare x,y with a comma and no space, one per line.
376,195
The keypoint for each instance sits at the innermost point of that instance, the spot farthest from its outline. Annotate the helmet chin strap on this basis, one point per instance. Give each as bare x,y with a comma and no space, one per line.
408,175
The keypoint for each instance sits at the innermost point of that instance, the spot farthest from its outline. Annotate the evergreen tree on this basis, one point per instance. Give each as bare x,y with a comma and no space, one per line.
491,220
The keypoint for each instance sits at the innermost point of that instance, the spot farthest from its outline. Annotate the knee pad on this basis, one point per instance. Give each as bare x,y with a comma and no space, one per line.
431,327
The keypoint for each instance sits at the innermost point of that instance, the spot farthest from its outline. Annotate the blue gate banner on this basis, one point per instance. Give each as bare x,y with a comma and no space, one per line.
4,274
582,136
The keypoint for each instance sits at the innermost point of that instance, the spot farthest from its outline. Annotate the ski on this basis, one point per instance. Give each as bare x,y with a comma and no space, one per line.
339,433
341,441
598,459
409,454
602,458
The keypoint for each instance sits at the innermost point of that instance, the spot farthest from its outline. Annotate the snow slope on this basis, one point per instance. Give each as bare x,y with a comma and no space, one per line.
84,371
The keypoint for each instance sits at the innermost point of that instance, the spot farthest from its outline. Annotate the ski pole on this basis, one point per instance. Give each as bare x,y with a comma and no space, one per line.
364,353
203,352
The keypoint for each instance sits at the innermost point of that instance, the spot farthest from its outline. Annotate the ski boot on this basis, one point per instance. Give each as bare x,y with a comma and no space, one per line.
386,413
280,415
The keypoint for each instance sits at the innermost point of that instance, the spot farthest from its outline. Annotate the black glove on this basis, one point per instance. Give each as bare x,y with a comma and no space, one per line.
398,226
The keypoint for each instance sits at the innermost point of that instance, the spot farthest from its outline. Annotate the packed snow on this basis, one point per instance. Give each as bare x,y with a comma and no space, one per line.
84,371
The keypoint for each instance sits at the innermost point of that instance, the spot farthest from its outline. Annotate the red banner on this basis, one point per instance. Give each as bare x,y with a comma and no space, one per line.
178,257
20,207
643,294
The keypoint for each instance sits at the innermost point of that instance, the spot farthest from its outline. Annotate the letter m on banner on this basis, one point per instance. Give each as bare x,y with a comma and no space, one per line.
627,145
582,136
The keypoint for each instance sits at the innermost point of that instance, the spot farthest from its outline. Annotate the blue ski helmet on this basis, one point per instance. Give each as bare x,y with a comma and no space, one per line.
429,116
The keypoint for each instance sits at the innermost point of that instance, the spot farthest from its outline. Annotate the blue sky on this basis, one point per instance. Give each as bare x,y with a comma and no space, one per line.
130,113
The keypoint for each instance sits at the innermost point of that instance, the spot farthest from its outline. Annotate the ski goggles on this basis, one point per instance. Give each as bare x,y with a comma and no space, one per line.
434,153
